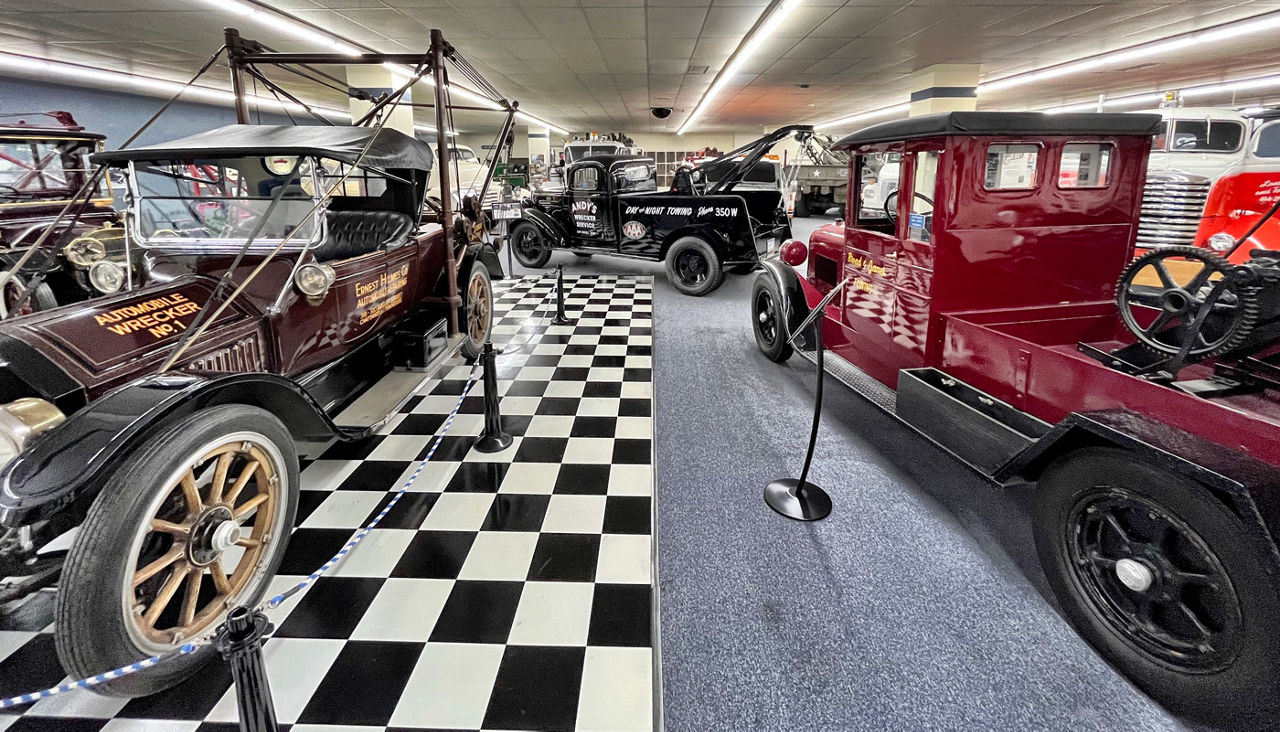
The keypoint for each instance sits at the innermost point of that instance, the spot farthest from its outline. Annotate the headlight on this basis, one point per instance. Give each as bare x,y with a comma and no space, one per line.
84,251
106,277
1221,241
314,280
23,419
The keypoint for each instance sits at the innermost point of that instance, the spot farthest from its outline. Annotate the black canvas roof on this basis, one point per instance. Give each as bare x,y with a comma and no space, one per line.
59,132
1004,123
391,148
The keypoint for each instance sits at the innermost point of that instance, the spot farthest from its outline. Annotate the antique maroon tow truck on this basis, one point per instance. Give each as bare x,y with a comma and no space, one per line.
985,313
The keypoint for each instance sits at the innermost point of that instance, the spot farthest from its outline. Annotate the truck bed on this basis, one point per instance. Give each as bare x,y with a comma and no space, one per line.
1028,358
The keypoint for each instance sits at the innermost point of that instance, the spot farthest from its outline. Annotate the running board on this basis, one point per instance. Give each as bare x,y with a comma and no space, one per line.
376,405
856,379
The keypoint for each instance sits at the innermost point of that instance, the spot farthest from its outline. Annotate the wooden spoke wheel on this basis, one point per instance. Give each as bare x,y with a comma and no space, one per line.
196,555
477,310
192,523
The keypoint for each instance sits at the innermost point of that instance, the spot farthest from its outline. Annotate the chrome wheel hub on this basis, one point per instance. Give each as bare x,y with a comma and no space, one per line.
1134,574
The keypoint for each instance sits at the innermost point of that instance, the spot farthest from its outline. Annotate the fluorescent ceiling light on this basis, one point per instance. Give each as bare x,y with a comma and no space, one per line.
1225,32
283,24
883,112
748,49
405,73
1153,98
43,68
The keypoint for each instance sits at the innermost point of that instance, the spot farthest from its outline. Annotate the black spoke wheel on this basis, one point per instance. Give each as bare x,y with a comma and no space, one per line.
528,245
1166,581
1163,293
767,318
1152,577
693,266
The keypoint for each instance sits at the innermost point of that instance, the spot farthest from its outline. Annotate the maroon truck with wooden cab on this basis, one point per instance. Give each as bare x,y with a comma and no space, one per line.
985,314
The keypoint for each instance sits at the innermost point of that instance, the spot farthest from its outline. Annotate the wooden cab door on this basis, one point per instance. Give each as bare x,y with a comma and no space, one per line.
589,212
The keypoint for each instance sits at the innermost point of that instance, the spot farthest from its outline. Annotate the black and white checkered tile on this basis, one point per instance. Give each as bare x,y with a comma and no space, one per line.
505,591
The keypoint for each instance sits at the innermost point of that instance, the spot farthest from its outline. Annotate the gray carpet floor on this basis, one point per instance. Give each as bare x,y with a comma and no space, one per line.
918,604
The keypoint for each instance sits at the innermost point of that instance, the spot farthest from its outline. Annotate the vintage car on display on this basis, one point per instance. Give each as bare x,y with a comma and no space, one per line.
42,168
821,177
699,229
1240,199
288,298
986,314
1192,148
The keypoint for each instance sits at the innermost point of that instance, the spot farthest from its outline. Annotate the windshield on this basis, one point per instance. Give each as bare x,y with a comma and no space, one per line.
225,200
45,169
578,152
464,156
1268,144
1199,135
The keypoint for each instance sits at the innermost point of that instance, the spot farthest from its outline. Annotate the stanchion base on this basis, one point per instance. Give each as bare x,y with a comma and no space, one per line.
802,503
562,321
494,443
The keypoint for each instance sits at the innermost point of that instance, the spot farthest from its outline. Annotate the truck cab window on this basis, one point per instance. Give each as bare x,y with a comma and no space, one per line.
924,185
878,181
1011,167
586,179
1268,141
1203,135
1084,165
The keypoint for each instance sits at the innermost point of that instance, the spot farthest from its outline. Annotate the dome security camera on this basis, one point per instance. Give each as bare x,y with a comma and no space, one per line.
660,112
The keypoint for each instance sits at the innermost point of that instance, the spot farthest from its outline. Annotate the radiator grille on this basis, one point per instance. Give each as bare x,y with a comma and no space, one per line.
243,355
1172,205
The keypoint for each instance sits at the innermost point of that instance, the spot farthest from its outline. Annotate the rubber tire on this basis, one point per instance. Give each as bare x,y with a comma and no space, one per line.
1254,676
42,299
779,350
471,349
801,210
544,253
715,273
90,634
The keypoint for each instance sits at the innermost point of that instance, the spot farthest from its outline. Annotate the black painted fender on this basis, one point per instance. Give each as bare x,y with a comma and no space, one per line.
1248,487
70,461
795,306
546,224
487,256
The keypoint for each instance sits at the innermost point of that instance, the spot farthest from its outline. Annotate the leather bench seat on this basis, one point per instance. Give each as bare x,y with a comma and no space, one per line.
353,233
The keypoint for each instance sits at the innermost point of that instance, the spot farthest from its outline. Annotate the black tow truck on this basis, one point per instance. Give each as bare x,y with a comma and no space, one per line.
702,228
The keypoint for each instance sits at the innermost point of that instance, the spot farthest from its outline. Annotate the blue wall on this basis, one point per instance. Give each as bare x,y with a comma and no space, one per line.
118,114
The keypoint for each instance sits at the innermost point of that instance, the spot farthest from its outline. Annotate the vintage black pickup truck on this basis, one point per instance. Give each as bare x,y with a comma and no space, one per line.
702,228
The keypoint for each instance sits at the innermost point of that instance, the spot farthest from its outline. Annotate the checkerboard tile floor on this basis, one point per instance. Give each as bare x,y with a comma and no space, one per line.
504,591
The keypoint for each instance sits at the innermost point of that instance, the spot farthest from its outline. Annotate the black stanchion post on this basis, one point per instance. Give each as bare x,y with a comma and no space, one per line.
240,640
561,318
798,498
493,439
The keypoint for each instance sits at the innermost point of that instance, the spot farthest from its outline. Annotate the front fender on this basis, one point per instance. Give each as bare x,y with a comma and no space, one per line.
798,296
487,255
68,462
545,223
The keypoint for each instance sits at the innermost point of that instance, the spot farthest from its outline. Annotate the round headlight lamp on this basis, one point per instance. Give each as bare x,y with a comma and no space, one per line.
84,251
1221,241
106,277
314,280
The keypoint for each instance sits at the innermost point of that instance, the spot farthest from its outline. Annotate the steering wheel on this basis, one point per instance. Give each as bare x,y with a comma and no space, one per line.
891,207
